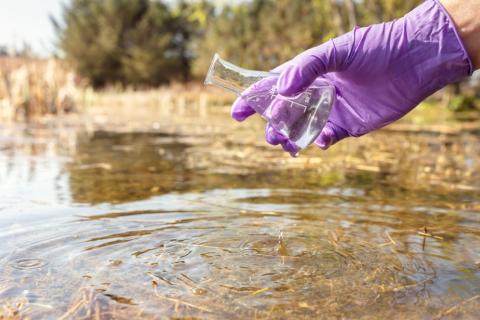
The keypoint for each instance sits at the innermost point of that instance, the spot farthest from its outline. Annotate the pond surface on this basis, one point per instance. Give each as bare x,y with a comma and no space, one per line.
214,224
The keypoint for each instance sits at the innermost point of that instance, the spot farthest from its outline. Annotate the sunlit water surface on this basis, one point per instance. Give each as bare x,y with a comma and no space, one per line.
145,224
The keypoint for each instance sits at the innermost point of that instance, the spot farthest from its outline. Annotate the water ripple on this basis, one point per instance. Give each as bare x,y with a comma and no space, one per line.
28,263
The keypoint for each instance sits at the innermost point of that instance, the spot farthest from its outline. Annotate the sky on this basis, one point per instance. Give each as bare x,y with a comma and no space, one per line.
28,21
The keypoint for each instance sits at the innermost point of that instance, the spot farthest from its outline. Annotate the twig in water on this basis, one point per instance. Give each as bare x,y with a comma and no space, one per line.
455,307
429,235
259,291
177,302
408,286
72,310
392,242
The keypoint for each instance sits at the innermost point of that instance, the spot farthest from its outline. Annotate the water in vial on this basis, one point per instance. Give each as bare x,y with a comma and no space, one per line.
300,118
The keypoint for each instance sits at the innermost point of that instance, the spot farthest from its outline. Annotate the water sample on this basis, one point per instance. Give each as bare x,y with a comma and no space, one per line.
300,118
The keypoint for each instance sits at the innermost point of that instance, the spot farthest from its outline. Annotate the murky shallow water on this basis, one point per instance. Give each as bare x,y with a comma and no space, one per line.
144,224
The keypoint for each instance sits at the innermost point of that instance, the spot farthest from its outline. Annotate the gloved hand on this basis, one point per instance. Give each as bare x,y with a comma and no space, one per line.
381,72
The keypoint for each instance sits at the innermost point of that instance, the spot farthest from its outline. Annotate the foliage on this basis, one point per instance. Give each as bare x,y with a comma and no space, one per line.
119,41
34,87
262,34
461,103
142,42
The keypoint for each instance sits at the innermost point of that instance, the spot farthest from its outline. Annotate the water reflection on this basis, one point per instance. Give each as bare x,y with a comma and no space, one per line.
126,167
134,224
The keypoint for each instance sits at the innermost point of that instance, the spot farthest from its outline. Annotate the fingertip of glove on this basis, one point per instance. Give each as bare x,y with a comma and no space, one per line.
274,137
241,110
241,116
330,135
290,82
291,148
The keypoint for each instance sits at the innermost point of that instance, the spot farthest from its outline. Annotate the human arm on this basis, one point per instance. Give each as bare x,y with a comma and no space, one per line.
464,14
382,71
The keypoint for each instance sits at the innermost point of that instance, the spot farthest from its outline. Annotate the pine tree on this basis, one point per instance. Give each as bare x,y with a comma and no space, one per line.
120,41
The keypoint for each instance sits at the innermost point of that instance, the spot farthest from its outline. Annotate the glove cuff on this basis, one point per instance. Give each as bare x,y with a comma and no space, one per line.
457,35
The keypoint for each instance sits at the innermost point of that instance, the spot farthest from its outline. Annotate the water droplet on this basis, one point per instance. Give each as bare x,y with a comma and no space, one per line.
28,263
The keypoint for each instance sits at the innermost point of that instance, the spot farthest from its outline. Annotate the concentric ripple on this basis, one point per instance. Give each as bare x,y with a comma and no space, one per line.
28,263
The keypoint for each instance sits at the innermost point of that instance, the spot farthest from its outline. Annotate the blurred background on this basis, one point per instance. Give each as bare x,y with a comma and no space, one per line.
56,56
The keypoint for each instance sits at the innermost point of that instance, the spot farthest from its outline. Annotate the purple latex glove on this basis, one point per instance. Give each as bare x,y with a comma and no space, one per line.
381,72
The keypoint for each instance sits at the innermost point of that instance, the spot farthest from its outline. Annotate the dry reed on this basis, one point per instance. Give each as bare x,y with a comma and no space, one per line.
34,87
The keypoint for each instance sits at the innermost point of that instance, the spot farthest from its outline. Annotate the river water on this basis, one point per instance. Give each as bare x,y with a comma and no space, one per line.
153,223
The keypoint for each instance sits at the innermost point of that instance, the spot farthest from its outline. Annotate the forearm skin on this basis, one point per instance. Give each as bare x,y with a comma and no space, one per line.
466,17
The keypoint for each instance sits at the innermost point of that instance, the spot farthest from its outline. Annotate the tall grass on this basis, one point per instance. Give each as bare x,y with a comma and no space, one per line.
34,87
173,97
30,88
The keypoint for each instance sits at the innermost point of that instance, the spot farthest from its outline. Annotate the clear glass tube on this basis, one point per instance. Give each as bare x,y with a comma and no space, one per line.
300,118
